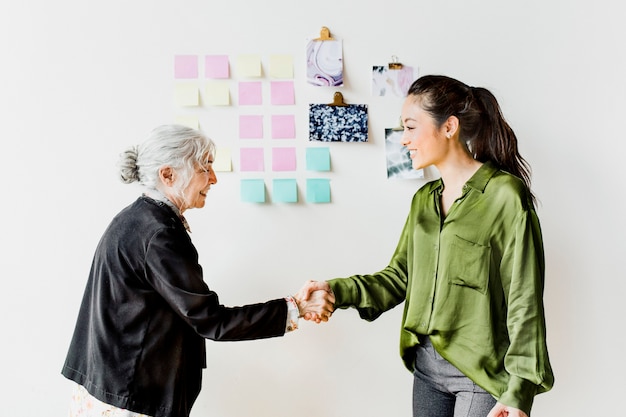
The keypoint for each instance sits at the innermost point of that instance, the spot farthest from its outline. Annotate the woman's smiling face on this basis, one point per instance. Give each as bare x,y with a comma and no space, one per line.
194,194
422,137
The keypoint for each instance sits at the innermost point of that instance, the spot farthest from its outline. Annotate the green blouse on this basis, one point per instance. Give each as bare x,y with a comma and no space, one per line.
473,281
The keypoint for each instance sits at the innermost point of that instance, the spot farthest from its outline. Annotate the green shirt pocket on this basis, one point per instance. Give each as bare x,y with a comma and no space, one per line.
469,264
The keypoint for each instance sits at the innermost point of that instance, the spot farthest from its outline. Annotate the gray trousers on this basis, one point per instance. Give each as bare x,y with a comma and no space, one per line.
441,390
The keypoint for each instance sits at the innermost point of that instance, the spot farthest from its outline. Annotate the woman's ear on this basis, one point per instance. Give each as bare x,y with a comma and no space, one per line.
167,176
451,126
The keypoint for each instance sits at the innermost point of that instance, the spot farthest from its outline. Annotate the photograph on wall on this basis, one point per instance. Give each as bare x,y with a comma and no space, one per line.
399,164
391,82
330,123
324,65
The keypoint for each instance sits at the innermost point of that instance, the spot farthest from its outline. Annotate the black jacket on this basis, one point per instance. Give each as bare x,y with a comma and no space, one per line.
139,338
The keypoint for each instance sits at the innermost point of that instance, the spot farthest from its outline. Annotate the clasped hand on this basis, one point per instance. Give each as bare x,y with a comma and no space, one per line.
316,301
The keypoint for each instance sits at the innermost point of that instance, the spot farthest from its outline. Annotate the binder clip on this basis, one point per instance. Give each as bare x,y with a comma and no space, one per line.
324,35
338,100
399,128
395,64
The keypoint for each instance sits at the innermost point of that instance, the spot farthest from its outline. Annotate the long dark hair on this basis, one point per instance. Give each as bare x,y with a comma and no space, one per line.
482,125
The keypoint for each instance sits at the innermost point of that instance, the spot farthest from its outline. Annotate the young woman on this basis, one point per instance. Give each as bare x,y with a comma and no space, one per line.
469,264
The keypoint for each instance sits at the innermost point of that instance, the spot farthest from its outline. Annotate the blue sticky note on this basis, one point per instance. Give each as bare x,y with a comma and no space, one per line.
285,191
318,159
317,190
253,191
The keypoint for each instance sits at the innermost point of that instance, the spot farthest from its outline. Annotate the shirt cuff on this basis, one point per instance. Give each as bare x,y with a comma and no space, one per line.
293,314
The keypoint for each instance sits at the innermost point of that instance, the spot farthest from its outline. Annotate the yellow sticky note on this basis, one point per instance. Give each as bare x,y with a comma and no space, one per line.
217,94
249,66
189,121
186,94
222,162
281,66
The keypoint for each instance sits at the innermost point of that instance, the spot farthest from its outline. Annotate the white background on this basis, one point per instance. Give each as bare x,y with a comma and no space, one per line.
81,80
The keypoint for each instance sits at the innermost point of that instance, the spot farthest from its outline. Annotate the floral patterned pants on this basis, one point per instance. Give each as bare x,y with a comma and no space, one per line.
83,404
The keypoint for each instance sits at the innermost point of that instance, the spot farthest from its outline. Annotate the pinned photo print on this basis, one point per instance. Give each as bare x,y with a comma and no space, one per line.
324,66
399,164
391,82
330,123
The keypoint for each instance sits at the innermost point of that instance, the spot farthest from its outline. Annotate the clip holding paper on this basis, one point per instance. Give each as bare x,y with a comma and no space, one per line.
395,64
399,128
324,35
337,100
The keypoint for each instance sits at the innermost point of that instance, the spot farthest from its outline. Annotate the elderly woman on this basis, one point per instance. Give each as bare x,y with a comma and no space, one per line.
138,346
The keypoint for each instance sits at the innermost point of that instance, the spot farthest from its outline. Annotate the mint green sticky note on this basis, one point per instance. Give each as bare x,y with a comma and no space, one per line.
318,159
253,191
285,191
318,190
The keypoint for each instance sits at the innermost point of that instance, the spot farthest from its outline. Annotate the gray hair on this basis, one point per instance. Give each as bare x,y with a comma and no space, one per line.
179,147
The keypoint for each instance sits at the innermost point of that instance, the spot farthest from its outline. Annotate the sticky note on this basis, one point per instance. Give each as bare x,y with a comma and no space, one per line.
318,159
216,66
249,66
252,191
250,126
217,93
281,66
283,159
284,190
186,94
250,93
318,190
283,126
185,66
251,159
282,93
223,160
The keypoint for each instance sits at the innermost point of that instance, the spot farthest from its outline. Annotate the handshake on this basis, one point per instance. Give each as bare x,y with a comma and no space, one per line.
316,301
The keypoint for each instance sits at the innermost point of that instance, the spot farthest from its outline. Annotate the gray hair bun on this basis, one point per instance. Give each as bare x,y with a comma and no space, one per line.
129,172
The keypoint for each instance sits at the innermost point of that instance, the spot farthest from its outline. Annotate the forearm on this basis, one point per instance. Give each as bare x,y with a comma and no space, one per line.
371,295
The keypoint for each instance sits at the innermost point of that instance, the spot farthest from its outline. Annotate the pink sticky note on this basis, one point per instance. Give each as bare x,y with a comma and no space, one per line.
250,127
283,126
185,66
251,159
283,159
250,93
282,92
216,66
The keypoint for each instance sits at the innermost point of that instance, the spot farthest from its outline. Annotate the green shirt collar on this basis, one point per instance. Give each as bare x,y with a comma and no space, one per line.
478,181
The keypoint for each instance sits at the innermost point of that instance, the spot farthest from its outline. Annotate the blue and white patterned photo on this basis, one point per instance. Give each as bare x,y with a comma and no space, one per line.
328,123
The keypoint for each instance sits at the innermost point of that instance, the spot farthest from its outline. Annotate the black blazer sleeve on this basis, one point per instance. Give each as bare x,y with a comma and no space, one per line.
172,269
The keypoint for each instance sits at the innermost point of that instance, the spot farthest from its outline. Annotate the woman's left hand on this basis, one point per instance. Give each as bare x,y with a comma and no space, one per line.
501,410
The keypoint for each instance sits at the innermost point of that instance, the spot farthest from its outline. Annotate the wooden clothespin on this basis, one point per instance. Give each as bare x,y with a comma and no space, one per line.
324,35
395,64
337,100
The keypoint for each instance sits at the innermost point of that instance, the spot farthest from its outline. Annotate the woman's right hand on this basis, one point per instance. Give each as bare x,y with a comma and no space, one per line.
316,301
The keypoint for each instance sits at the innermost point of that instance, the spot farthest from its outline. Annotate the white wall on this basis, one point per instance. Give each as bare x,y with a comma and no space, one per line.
80,81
